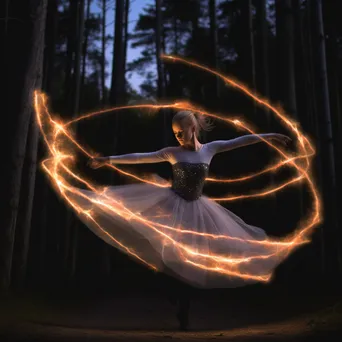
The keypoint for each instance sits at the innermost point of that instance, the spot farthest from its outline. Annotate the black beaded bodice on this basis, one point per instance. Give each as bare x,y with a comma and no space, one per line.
188,179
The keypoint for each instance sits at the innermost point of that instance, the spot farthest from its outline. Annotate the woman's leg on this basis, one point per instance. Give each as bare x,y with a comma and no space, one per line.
179,294
183,304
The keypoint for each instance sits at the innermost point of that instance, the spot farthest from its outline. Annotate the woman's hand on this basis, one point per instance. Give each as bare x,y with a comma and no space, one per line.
280,138
97,162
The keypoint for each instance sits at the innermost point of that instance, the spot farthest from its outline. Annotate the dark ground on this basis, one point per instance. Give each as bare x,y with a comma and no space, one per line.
233,316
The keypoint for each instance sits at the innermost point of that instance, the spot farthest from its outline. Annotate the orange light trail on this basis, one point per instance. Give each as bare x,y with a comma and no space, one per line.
57,134
120,210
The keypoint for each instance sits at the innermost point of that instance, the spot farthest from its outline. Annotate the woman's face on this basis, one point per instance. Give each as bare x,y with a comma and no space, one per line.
183,133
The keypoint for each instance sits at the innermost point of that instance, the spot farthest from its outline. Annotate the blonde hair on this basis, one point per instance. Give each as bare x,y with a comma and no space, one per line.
201,122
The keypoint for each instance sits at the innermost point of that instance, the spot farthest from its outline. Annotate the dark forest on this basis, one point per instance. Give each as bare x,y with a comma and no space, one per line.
53,269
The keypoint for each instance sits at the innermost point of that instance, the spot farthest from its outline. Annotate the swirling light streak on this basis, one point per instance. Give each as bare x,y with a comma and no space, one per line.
187,106
227,265
121,211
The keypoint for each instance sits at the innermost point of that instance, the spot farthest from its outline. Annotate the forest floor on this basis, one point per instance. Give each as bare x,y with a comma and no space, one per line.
152,318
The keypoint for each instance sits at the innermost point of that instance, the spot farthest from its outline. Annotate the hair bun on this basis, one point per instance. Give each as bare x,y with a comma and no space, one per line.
204,122
201,122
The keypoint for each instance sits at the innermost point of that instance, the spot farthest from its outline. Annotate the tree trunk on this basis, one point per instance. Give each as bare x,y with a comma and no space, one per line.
106,248
103,53
85,46
248,54
78,54
117,81
45,191
163,43
327,149
214,46
22,236
79,34
160,68
116,90
307,110
312,107
124,59
262,28
21,83
197,93
251,43
287,94
263,79
176,35
310,64
51,37
337,119
68,88
71,44
285,42
174,89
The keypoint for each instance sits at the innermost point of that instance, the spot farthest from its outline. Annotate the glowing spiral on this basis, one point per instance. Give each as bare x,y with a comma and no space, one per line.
58,135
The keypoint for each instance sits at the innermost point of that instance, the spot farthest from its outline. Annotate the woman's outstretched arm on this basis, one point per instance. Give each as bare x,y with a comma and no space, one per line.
250,139
133,158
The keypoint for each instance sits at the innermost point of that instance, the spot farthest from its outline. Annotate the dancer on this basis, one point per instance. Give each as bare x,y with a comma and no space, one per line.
180,216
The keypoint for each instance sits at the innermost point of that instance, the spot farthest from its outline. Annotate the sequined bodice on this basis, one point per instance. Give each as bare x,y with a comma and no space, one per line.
188,179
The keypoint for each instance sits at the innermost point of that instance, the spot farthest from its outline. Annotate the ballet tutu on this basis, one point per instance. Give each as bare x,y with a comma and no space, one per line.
190,240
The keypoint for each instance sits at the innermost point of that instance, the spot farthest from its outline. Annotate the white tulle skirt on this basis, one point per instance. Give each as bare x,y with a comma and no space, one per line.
199,242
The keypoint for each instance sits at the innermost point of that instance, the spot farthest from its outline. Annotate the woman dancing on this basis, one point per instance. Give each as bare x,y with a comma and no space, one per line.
178,216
